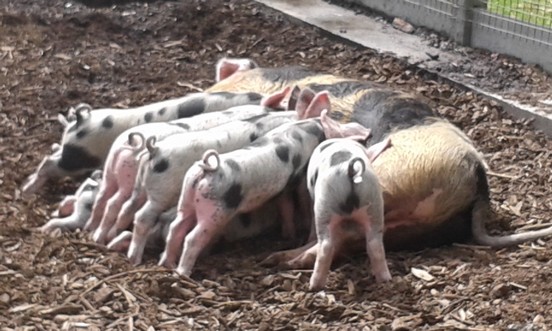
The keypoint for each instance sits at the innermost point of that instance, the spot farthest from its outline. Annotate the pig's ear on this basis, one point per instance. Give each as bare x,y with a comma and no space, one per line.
293,97
375,150
227,67
334,129
303,101
320,102
276,100
82,113
62,120
97,175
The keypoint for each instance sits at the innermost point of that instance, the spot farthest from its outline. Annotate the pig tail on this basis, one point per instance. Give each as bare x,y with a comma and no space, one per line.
150,145
141,139
206,166
356,176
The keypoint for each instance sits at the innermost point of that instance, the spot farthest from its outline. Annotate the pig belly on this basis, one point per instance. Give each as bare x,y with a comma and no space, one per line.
429,184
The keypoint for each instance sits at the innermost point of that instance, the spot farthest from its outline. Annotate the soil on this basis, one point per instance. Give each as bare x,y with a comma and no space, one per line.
55,54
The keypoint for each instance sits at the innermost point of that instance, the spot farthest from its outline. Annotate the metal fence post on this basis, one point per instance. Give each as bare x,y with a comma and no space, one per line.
464,22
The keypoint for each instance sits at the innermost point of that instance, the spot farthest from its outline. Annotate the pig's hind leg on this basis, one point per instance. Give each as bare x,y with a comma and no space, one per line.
372,222
143,224
126,215
328,242
211,220
108,187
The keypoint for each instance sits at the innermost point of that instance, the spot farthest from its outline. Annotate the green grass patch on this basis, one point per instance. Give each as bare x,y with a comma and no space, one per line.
538,12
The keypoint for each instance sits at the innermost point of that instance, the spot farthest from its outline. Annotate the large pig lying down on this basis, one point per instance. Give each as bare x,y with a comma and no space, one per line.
170,159
89,133
122,162
433,179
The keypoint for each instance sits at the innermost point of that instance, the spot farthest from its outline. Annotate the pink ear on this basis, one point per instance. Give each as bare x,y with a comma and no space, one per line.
305,98
225,69
293,97
375,150
276,100
334,129
320,102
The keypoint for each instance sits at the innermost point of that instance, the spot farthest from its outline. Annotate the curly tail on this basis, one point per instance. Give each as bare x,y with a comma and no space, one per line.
207,156
136,142
150,145
356,172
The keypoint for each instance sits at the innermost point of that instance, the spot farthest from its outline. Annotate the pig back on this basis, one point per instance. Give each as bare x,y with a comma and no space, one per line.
428,177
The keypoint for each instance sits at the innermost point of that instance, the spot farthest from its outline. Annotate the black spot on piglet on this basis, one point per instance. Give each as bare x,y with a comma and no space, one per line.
191,107
233,197
161,166
148,117
283,153
108,122
74,158
162,111
253,136
89,206
340,157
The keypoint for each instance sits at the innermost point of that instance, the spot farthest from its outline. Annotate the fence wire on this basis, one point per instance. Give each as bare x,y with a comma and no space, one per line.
530,20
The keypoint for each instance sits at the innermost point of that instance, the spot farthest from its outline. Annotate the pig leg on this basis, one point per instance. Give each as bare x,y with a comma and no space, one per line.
211,220
285,205
66,206
143,225
121,242
126,215
108,187
328,241
373,227
178,230
284,257
69,223
113,207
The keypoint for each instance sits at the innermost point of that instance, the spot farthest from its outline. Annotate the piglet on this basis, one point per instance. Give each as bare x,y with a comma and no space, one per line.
75,209
122,163
169,160
220,186
89,133
345,189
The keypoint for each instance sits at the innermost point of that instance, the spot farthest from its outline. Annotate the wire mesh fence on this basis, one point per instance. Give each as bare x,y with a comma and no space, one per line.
537,12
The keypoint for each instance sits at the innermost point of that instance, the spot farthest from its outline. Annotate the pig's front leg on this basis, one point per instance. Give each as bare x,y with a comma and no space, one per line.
283,258
211,220
66,206
143,224
286,208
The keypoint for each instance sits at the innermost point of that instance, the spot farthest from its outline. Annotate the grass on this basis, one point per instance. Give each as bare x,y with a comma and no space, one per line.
538,12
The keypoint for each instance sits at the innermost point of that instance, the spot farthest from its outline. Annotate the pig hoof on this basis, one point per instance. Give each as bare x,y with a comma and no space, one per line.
183,272
383,278
316,286
167,263
98,237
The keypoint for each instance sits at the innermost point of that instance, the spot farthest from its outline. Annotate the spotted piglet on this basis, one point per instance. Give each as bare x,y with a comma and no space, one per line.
75,209
170,159
219,187
122,163
89,133
345,190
